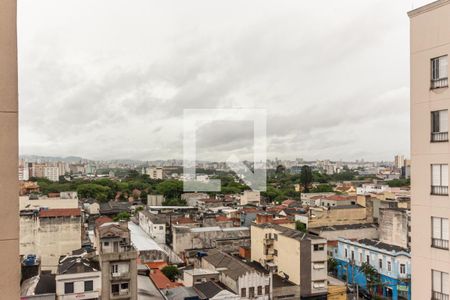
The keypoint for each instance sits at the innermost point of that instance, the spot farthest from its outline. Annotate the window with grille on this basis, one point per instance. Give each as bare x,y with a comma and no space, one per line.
439,231
439,126
439,179
439,72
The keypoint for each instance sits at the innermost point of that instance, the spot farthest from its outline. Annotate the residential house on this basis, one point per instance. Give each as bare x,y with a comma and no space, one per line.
238,276
78,278
393,264
154,225
298,257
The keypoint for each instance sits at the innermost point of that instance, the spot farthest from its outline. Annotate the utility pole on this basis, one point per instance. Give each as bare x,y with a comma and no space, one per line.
355,285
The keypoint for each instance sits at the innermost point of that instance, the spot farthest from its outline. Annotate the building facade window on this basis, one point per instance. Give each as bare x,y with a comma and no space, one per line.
88,286
251,292
402,269
319,247
353,255
389,267
380,263
368,258
345,253
259,290
439,179
243,292
439,72
440,285
68,288
439,233
439,126
267,289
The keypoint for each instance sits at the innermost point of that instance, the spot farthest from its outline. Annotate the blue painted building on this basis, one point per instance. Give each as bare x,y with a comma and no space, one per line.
393,263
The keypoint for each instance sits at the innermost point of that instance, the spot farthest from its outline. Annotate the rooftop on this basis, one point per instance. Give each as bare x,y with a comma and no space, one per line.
427,8
76,264
344,227
288,232
60,212
161,281
200,272
208,289
141,240
234,268
376,244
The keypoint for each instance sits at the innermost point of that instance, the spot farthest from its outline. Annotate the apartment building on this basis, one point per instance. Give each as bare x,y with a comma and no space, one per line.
9,217
117,261
430,151
296,256
154,172
78,278
50,233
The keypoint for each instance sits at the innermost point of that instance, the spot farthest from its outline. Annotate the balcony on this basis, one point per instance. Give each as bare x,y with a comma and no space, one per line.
439,83
439,296
439,243
439,190
120,276
437,137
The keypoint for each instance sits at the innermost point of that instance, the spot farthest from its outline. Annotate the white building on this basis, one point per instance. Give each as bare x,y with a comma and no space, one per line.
51,173
78,278
370,188
154,225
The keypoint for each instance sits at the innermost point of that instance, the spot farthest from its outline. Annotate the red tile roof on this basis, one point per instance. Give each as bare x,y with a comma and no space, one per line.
156,264
222,219
60,212
161,281
340,198
102,220
288,202
184,220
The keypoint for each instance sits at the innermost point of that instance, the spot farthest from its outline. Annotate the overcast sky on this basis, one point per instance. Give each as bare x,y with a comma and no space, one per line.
110,79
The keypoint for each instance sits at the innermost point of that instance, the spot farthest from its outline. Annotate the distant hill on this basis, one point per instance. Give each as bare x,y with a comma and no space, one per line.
68,159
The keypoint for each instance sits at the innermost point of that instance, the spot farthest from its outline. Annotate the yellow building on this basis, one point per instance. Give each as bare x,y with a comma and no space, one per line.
298,257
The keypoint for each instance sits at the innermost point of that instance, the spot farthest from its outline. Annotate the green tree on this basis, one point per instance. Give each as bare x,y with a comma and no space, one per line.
122,216
174,202
322,188
170,188
171,272
300,226
332,265
372,276
91,190
306,178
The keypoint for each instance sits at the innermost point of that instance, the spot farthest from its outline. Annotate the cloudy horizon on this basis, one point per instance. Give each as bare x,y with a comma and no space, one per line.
104,80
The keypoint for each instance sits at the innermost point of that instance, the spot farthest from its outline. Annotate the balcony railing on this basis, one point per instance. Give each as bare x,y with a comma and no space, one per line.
439,243
439,136
439,190
439,83
439,296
